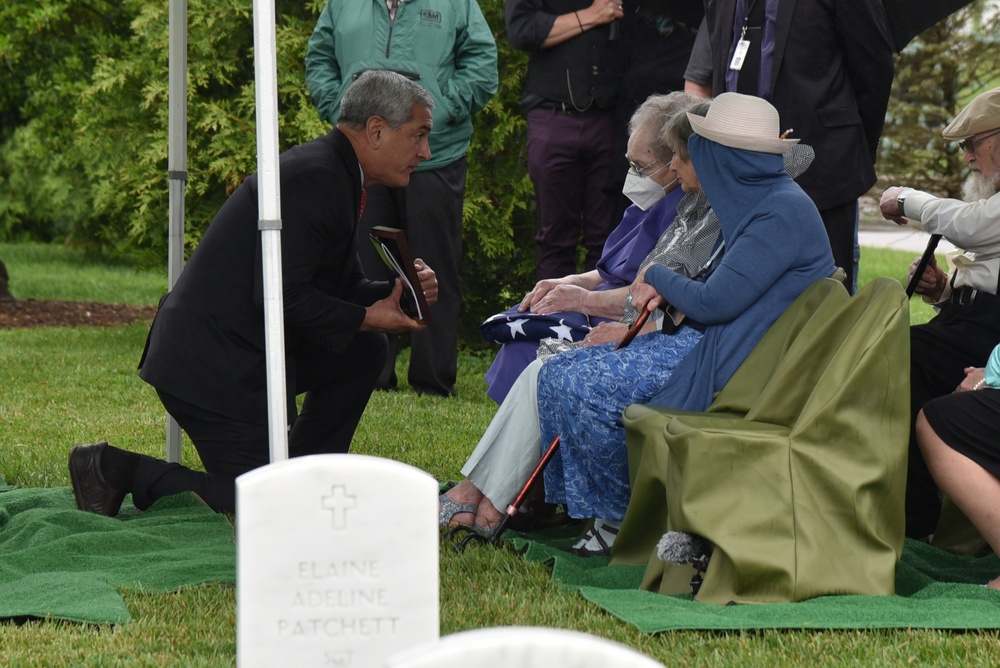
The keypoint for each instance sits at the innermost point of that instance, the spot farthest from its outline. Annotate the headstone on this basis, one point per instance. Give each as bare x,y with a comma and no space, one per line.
337,561
521,646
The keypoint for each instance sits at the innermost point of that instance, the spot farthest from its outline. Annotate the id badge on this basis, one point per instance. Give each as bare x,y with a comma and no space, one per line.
739,54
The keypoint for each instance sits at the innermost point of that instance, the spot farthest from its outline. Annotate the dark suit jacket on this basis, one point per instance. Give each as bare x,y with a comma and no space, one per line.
833,70
206,345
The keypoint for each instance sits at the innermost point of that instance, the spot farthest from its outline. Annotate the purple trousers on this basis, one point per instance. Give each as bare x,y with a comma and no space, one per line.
569,156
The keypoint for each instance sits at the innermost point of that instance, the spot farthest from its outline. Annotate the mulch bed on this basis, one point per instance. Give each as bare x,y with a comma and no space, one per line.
42,313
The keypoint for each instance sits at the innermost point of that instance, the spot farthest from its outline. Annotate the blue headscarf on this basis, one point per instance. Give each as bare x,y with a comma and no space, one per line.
776,246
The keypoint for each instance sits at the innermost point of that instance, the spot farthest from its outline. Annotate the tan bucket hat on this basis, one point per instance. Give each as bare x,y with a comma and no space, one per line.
742,121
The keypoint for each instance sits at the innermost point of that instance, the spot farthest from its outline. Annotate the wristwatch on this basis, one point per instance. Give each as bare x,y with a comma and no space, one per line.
901,200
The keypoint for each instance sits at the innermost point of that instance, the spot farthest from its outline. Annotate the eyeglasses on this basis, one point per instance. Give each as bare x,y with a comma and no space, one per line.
970,144
636,169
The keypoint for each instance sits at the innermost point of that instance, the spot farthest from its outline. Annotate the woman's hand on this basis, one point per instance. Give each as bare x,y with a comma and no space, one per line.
602,11
606,332
974,377
562,298
644,295
539,292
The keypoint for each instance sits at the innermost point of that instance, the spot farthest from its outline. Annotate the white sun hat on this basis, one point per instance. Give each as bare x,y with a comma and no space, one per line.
742,121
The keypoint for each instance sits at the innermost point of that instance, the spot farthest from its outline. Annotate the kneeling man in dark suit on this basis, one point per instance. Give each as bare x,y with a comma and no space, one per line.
206,352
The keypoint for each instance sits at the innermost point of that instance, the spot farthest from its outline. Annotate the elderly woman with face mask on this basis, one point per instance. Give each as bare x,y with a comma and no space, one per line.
510,448
567,307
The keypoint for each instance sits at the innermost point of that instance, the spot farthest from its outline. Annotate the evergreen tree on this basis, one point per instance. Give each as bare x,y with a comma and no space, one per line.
937,74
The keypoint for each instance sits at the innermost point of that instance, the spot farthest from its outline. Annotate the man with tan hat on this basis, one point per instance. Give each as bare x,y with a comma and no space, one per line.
967,326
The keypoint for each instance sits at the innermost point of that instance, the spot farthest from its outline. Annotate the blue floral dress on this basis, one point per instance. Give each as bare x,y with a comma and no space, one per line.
581,396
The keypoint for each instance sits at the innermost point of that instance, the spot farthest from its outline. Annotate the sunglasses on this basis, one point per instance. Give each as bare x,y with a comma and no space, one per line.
970,144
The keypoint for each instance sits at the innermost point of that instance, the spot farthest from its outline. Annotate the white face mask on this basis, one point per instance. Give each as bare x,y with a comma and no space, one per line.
642,190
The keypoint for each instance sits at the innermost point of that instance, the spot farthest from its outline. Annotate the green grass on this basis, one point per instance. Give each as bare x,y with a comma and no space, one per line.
59,387
44,271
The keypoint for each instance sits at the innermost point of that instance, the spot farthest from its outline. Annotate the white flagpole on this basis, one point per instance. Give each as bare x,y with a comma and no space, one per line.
269,202
176,169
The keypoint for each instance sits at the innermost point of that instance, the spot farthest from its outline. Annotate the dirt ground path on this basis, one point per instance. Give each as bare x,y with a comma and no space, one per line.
39,313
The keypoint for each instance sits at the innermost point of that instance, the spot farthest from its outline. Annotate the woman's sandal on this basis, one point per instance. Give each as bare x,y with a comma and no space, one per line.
449,509
603,534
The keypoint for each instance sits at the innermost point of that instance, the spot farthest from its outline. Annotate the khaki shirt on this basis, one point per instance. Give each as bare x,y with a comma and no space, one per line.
974,227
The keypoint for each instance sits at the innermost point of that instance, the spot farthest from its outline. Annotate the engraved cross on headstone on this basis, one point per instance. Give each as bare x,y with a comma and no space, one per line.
339,502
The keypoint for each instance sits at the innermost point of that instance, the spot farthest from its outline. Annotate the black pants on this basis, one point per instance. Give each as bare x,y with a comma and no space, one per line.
337,387
840,222
429,209
959,337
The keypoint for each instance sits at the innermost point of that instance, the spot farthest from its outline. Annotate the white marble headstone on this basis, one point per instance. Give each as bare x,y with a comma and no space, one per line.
337,561
523,647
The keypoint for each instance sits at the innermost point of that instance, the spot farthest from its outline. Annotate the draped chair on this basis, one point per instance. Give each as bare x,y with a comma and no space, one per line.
796,472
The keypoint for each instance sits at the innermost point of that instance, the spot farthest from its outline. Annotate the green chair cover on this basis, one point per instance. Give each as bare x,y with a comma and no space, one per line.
796,473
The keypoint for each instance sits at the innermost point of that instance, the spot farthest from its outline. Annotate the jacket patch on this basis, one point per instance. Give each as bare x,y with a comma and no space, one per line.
430,16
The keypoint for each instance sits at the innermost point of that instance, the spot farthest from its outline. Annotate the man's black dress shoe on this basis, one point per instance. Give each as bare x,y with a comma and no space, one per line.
92,493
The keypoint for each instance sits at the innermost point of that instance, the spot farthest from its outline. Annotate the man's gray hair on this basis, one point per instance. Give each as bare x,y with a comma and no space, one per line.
381,93
655,113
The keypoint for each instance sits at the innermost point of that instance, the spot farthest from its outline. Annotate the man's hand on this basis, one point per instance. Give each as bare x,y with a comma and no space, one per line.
428,281
386,317
932,282
889,205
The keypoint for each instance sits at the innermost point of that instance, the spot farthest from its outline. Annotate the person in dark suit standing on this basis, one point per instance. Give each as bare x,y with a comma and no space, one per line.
206,351
827,66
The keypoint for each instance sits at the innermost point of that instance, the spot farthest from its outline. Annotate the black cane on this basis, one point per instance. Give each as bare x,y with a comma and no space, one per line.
515,506
925,259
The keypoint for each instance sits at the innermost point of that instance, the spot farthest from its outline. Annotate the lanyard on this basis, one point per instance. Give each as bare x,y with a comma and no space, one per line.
746,19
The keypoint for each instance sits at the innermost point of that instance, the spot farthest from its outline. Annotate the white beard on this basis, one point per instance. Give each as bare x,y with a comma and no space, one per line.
977,187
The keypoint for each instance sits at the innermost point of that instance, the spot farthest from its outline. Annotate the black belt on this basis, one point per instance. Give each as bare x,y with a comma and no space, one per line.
968,296
565,107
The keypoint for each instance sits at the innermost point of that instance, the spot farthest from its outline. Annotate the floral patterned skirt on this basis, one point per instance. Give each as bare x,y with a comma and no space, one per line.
581,396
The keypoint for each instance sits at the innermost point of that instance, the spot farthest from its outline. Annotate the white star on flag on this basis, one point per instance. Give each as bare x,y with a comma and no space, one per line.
562,332
516,327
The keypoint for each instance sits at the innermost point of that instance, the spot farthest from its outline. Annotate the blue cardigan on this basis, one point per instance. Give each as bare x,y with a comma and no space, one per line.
776,246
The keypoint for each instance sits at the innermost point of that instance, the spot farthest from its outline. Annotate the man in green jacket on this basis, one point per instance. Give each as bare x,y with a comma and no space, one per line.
447,47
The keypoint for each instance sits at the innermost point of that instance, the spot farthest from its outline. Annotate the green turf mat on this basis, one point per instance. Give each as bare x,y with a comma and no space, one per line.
934,590
62,563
